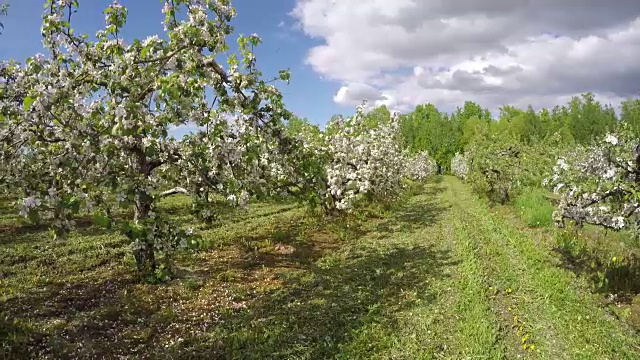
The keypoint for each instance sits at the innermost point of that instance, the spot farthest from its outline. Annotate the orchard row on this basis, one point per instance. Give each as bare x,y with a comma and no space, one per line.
86,127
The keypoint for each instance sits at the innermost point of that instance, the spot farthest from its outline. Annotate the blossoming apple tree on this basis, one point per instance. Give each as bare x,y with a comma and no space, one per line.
85,128
459,166
420,166
599,184
364,161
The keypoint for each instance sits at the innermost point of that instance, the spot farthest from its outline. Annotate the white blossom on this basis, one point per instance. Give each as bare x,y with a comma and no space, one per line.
611,139
459,166
31,202
94,121
598,184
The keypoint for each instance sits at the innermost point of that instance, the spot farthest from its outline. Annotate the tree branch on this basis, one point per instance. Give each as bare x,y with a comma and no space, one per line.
174,191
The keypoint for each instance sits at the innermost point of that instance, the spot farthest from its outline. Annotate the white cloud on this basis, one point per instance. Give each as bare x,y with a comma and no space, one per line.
491,51
356,91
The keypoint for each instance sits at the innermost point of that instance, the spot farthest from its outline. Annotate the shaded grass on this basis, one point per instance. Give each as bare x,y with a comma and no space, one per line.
607,261
610,262
268,283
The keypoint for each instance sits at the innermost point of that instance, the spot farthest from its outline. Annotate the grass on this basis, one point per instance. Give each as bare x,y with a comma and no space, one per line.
610,261
534,207
548,306
440,275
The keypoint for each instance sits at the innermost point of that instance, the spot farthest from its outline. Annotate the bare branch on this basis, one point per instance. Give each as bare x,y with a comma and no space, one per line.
174,191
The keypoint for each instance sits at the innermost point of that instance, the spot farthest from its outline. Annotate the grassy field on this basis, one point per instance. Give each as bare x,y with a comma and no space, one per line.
442,275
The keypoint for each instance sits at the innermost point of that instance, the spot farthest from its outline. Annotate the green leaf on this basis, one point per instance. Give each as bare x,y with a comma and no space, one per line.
34,216
102,220
134,231
27,102
74,204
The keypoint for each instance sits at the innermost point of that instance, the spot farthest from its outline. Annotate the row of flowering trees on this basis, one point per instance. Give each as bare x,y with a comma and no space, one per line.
85,130
354,160
499,166
597,184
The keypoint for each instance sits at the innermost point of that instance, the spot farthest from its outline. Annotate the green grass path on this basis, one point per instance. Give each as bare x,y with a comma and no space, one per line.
505,297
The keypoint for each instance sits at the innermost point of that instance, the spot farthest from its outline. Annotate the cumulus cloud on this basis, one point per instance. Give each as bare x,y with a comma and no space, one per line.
356,92
407,52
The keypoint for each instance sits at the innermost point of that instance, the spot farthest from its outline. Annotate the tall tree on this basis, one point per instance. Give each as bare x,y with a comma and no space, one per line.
378,115
427,129
630,115
588,119
471,109
532,126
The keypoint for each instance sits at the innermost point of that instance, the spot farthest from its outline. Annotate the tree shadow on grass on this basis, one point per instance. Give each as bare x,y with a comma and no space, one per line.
7,206
418,214
113,314
317,310
298,294
326,297
415,213
620,278
24,232
57,318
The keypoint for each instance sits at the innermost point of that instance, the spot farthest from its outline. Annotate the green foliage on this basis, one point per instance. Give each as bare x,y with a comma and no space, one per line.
472,110
427,129
524,126
588,119
535,207
494,167
377,116
500,166
580,121
630,115
518,148
297,126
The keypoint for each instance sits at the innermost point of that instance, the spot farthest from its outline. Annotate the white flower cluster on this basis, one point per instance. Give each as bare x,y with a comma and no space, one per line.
364,160
599,184
459,166
222,161
420,166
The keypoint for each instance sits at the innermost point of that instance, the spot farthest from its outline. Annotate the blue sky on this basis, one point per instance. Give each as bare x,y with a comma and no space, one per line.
283,46
406,53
